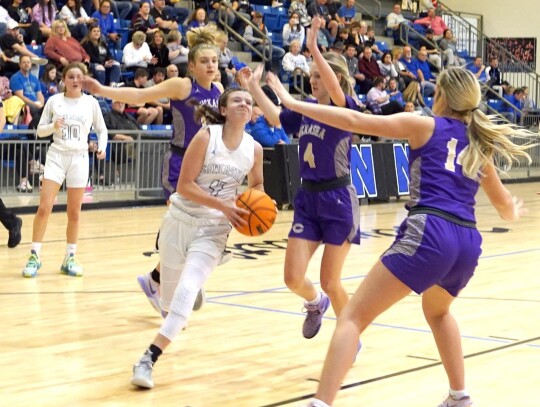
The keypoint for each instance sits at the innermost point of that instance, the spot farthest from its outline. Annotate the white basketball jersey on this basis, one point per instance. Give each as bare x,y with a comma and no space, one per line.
222,173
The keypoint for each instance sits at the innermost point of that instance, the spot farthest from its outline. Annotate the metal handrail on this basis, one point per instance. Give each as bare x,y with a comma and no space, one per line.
296,79
223,20
374,15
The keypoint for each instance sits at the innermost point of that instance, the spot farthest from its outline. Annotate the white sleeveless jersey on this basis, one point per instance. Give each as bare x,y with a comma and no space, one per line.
222,173
80,115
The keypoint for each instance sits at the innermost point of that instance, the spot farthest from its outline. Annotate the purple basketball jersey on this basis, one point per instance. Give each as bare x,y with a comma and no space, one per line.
436,174
324,151
184,124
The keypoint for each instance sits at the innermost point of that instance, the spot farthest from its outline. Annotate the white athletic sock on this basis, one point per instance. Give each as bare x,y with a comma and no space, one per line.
458,394
71,248
316,300
36,247
318,403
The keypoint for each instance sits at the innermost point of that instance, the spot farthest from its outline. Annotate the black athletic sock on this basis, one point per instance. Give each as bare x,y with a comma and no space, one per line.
155,276
155,353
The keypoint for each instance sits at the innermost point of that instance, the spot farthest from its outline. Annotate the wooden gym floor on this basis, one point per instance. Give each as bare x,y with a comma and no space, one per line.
72,341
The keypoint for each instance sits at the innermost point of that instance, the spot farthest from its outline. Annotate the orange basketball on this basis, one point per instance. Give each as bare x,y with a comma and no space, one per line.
262,212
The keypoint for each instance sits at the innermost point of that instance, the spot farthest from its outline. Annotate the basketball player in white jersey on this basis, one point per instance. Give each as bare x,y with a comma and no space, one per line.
194,231
68,116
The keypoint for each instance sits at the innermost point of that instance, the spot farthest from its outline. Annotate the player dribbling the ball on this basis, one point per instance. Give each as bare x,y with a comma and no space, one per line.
195,228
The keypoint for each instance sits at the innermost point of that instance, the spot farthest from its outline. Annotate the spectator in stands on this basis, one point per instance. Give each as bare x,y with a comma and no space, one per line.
333,8
386,66
329,26
50,85
377,96
394,92
172,71
27,87
144,22
105,20
159,76
358,36
178,54
372,42
338,48
198,18
11,222
423,71
44,13
266,134
413,94
515,99
12,45
409,62
261,43
137,53
352,65
343,35
159,50
449,49
429,44
299,7
22,14
434,22
293,30
367,65
393,21
493,76
62,48
347,12
405,77
164,16
296,64
216,6
76,18
527,101
102,64
225,65
145,113
410,107
478,69
244,7
117,119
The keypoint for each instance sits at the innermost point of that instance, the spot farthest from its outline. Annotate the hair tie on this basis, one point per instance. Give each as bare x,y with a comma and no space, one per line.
473,109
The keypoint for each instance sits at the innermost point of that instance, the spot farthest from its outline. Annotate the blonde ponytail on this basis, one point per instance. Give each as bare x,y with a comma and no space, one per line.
488,140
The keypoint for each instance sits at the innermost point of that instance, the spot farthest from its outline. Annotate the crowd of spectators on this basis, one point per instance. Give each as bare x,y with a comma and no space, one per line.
140,43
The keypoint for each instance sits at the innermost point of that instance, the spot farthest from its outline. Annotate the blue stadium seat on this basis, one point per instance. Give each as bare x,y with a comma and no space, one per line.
276,38
283,19
362,98
272,22
117,23
36,49
429,102
496,104
281,11
382,45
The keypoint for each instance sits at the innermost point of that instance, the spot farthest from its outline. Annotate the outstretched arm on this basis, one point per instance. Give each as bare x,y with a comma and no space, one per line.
251,81
508,206
174,88
327,74
416,129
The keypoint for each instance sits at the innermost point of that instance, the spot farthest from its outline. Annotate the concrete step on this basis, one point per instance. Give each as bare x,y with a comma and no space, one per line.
245,57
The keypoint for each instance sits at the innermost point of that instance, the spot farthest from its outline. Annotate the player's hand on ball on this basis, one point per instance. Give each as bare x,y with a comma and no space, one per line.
235,214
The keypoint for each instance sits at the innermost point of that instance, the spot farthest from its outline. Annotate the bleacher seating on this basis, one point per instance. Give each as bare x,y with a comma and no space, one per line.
496,104
272,22
429,102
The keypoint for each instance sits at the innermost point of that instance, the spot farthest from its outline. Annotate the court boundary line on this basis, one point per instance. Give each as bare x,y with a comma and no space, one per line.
400,373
